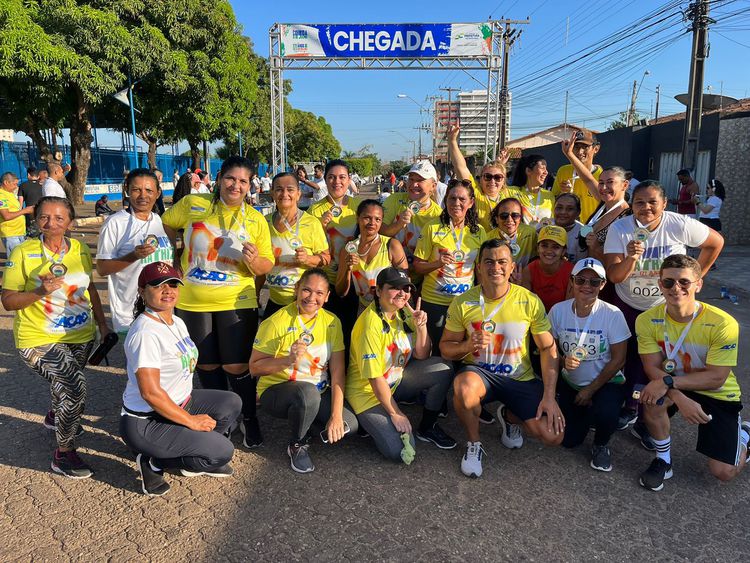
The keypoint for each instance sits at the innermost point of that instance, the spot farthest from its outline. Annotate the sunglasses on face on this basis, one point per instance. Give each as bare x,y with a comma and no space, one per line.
593,282
668,283
497,177
504,216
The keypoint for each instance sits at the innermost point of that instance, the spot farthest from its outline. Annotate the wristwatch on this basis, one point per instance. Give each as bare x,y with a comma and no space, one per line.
668,381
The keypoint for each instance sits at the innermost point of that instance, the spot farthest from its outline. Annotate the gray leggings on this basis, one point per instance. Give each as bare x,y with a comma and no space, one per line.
302,404
432,375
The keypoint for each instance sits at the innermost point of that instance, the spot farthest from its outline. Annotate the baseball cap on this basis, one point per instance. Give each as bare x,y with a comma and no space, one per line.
586,137
555,234
394,277
157,273
425,169
590,264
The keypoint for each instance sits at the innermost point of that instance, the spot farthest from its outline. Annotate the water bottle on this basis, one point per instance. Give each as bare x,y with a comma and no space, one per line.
724,292
733,300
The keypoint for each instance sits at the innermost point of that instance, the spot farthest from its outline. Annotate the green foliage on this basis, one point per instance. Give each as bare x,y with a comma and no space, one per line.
622,121
364,166
309,137
398,167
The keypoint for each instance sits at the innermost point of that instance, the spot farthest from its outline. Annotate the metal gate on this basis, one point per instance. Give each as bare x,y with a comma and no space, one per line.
669,164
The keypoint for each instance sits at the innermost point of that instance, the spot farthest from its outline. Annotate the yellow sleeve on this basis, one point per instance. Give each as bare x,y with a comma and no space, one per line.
268,337
318,236
14,277
261,236
644,330
371,364
176,216
86,260
391,208
562,175
336,335
539,321
454,318
724,340
424,243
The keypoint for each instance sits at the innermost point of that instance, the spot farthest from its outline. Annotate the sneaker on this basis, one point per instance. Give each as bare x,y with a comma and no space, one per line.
601,458
471,463
252,438
300,458
485,417
640,431
653,478
745,425
437,436
627,418
510,434
219,472
70,465
152,482
50,424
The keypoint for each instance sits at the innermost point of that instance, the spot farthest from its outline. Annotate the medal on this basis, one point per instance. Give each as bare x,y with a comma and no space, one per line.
306,338
414,207
400,360
641,234
458,255
351,247
152,241
488,326
295,243
579,353
515,250
586,229
669,365
336,211
58,270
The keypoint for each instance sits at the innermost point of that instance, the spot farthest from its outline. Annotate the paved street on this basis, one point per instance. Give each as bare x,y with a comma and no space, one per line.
531,504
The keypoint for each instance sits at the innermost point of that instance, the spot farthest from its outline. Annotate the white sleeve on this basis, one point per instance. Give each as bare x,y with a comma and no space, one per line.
108,240
695,231
617,327
554,318
144,351
616,242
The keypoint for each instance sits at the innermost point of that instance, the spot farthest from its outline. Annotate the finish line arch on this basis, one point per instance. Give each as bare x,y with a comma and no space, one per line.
421,46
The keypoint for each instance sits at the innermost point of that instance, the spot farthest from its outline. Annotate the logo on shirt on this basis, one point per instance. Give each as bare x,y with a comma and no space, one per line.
369,357
729,347
194,208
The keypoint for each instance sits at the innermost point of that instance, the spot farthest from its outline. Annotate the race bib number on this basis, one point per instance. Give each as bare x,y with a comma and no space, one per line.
645,287
594,344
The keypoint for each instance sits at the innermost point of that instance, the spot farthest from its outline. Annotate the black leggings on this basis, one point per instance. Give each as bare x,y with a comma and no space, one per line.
222,337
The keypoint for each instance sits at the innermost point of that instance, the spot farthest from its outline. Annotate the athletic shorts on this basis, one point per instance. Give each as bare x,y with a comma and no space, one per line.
222,337
522,398
720,438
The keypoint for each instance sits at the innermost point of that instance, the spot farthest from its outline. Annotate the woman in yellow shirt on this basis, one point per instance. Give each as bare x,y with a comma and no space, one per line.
297,239
528,181
226,245
507,220
298,355
390,361
48,282
363,258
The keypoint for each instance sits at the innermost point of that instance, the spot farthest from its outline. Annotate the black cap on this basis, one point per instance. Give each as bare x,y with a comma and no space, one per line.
394,277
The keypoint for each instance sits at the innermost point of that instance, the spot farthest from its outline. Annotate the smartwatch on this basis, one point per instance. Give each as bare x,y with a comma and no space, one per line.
668,381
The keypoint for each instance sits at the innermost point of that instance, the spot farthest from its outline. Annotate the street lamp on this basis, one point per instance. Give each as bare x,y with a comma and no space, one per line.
421,109
631,113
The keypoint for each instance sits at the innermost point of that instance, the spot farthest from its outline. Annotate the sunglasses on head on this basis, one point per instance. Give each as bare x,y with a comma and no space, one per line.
593,282
497,177
668,283
457,182
503,216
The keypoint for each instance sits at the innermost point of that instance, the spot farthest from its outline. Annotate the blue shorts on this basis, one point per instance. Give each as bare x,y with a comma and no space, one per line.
522,398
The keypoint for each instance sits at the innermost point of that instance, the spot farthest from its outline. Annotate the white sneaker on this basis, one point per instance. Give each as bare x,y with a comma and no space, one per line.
510,434
471,463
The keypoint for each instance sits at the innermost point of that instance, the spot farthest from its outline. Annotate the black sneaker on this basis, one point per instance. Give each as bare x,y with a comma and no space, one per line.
299,457
640,431
653,478
152,482
70,465
745,425
219,472
485,417
50,424
627,418
252,438
437,436
601,458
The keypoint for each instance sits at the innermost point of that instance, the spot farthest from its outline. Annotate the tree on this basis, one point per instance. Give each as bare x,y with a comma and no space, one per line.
622,121
309,137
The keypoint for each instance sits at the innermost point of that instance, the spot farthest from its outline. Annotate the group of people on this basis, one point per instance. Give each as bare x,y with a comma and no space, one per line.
564,308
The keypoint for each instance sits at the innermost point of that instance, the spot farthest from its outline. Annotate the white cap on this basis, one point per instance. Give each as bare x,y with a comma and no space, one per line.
425,169
590,264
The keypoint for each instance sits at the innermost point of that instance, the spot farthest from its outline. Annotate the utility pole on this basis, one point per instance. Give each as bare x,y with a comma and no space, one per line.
510,36
565,114
432,99
656,114
698,13
450,112
631,109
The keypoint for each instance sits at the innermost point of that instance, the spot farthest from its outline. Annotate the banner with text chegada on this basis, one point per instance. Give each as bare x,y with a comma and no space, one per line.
386,40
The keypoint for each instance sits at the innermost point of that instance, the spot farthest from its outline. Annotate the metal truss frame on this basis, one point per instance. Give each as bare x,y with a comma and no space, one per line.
278,64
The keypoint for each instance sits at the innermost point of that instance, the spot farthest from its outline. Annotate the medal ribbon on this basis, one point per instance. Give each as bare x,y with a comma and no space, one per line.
535,215
296,223
302,325
243,211
458,241
668,348
492,314
61,255
586,325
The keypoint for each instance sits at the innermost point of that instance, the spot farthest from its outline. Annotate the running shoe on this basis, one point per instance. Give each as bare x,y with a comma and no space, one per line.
640,431
220,472
627,418
510,434
471,463
51,424
152,481
437,436
70,464
745,425
299,458
252,438
653,478
601,458
485,417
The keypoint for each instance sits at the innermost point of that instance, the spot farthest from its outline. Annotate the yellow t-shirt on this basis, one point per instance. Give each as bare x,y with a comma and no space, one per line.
525,238
536,207
588,202
508,354
713,339
276,335
364,275
13,227
485,204
374,353
396,204
62,316
339,231
442,285
216,277
285,273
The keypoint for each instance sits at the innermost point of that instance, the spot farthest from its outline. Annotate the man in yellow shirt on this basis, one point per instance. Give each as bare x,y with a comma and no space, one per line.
12,222
585,147
688,349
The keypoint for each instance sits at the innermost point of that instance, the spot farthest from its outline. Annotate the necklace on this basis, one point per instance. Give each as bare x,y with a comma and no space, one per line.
369,246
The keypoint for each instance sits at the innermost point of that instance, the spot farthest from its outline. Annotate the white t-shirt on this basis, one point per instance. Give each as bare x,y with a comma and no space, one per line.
255,185
152,344
265,184
574,252
714,213
440,192
52,187
119,236
673,235
320,193
607,327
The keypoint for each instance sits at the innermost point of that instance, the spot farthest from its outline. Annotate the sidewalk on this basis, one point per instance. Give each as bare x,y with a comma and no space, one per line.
732,271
